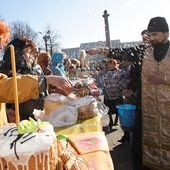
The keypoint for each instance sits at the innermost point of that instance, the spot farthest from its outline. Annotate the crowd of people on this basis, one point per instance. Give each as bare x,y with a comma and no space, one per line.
137,75
150,81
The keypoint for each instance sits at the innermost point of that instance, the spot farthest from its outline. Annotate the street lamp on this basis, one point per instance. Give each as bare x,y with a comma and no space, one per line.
46,37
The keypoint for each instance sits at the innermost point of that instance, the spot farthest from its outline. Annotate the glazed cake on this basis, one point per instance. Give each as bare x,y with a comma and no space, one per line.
31,145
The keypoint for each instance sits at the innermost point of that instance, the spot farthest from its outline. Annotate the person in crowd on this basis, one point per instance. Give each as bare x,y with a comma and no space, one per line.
76,62
44,60
134,90
67,64
83,72
4,34
57,66
75,67
103,65
4,39
156,96
83,62
73,71
29,86
22,53
24,65
84,65
34,53
98,73
128,98
31,54
114,82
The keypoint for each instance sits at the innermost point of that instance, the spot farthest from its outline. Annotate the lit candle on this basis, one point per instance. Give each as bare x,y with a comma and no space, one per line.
15,84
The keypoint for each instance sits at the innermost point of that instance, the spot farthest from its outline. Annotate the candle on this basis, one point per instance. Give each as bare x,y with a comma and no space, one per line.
15,84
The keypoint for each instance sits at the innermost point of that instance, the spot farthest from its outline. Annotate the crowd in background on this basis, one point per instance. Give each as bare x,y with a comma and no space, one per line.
107,75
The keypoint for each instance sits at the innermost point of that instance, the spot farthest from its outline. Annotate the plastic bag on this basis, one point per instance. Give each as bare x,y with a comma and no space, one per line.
89,107
54,101
102,109
64,116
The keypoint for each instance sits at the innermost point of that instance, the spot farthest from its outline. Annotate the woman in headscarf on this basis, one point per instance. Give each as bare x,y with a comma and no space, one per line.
23,48
57,65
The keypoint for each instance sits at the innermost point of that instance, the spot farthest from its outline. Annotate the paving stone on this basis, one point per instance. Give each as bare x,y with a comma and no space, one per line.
120,153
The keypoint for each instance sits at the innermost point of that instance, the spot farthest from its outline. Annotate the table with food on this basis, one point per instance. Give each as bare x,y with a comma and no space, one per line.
77,117
66,135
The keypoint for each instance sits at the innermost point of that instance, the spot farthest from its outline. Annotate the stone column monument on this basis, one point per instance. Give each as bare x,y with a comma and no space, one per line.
106,22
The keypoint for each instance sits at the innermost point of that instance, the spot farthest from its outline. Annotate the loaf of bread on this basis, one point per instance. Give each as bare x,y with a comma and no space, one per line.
70,155
86,106
55,101
81,89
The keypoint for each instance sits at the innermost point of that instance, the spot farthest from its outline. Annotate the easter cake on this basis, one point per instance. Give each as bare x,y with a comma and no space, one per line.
30,145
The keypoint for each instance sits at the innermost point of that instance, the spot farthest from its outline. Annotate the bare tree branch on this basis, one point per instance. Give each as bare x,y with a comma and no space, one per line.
20,28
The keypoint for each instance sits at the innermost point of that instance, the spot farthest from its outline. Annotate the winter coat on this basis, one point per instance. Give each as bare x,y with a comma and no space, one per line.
27,88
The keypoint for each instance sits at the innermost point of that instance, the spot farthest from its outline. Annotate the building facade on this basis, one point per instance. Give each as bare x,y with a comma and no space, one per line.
75,52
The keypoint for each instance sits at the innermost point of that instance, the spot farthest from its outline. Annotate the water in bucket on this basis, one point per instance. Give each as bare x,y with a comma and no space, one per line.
126,114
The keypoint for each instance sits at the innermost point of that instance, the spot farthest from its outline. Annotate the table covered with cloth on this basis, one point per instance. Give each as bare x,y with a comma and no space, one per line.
88,136
82,125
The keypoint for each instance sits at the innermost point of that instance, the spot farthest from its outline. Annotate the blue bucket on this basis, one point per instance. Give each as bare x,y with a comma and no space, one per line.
126,114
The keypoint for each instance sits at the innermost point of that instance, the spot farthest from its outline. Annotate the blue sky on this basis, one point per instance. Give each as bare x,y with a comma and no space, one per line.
81,21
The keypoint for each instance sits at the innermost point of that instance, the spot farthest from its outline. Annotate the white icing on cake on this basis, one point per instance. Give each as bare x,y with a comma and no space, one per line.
18,148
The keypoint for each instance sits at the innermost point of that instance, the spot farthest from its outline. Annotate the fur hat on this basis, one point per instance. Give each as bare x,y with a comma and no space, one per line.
158,24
